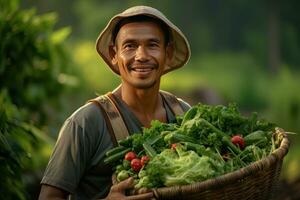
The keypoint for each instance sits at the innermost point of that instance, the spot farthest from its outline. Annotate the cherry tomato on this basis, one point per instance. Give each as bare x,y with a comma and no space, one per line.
136,164
144,160
173,146
238,141
130,156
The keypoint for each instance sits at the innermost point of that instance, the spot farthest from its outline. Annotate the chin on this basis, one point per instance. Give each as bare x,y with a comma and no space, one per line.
144,85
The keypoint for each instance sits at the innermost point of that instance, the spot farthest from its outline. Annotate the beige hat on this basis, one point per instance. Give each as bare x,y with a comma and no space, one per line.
181,46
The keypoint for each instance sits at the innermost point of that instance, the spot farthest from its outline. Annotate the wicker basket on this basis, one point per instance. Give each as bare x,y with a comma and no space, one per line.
256,181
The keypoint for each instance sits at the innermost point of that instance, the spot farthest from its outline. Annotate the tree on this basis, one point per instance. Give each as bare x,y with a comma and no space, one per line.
32,64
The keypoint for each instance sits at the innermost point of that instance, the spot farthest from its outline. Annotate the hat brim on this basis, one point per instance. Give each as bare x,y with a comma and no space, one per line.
181,46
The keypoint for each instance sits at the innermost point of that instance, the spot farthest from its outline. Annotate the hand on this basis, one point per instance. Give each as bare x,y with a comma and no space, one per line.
117,192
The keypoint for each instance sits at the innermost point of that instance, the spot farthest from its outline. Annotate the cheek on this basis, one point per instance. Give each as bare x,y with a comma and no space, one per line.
125,57
160,56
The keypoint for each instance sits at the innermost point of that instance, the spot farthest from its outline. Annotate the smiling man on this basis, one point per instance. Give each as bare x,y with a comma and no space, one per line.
140,45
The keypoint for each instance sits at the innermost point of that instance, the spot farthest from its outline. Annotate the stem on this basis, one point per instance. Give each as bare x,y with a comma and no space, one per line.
225,138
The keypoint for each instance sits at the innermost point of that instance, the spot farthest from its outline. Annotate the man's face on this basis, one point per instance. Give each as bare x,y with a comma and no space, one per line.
141,54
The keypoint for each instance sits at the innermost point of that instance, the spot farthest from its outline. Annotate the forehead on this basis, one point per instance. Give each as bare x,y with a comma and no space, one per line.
140,30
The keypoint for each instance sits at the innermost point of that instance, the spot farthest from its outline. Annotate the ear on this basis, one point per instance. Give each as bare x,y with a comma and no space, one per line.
112,54
169,52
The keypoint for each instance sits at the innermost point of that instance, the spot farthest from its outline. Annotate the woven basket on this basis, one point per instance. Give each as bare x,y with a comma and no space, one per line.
256,181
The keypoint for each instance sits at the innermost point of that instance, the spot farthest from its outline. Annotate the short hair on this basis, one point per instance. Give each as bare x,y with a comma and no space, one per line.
142,18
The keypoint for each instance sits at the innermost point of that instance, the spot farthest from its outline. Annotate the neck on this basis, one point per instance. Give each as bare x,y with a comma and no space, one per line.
146,104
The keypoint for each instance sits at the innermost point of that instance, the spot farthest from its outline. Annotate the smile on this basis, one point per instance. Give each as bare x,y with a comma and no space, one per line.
142,71
148,69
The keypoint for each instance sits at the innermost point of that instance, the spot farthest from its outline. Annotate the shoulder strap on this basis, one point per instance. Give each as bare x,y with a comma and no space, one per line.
172,102
114,121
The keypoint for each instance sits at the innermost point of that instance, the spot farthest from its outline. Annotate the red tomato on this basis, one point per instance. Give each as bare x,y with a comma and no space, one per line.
173,146
238,141
144,160
130,155
136,164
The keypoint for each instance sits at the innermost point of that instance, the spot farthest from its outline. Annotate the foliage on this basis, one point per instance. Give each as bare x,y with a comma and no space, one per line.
220,25
34,71
16,137
33,63
96,75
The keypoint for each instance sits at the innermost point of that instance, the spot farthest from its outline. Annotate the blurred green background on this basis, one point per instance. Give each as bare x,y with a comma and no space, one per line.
242,51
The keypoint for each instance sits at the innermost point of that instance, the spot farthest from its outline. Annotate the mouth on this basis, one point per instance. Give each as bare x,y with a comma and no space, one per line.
143,70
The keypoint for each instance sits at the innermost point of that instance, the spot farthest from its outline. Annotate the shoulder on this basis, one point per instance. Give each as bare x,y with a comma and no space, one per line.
88,114
171,97
87,123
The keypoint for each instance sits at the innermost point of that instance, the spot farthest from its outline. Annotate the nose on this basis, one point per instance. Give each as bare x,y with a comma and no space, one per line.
141,54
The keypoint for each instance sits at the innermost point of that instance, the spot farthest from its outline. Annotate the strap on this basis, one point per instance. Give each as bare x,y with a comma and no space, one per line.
115,121
172,102
113,118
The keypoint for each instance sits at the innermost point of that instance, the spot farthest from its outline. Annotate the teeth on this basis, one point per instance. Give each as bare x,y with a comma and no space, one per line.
142,69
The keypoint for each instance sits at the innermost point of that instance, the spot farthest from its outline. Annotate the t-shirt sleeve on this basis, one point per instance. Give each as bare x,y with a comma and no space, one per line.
72,152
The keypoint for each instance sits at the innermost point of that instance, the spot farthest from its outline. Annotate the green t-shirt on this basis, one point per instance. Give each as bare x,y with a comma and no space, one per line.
76,164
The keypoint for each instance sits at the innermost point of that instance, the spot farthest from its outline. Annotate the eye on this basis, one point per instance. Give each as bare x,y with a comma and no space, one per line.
129,46
154,44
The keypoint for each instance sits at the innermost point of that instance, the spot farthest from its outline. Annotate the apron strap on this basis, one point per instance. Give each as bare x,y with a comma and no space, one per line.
172,102
114,120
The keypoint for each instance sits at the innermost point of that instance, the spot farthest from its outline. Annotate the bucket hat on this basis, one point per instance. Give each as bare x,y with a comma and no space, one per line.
181,46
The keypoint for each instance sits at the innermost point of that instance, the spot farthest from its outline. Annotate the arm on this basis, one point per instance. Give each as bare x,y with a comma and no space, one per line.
49,192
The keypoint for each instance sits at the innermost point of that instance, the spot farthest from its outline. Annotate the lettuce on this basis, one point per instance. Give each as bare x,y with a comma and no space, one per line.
179,167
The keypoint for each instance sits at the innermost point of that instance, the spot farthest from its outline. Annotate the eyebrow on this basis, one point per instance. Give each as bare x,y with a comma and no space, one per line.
128,41
157,40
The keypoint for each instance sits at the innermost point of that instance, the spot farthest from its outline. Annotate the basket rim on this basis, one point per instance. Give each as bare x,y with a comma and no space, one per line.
230,177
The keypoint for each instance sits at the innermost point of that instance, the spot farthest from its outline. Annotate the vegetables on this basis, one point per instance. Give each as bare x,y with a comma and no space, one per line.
149,150
173,146
259,138
136,164
144,160
179,167
115,157
115,150
201,144
130,156
173,137
238,141
122,175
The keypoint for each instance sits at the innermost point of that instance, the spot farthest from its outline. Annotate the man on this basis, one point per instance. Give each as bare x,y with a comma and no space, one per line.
140,45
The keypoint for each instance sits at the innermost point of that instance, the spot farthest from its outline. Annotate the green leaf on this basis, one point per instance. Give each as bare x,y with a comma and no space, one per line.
60,35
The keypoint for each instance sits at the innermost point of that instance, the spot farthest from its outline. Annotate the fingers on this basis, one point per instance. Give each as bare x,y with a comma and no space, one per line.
145,196
139,191
143,190
114,179
123,185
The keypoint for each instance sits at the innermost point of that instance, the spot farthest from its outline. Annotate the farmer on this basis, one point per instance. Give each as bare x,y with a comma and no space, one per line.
140,45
